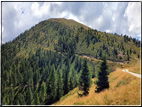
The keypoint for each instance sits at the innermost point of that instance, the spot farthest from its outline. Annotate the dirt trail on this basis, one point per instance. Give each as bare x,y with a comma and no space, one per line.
91,57
137,75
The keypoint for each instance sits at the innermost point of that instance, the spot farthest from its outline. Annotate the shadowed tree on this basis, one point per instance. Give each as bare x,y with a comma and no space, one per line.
85,79
102,78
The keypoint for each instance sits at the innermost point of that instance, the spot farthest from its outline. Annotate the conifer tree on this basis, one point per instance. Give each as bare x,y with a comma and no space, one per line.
11,96
21,99
42,93
85,80
72,79
29,96
65,76
52,85
60,91
36,98
102,78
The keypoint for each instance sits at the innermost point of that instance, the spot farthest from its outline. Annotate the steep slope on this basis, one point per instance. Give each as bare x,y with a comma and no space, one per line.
47,59
54,34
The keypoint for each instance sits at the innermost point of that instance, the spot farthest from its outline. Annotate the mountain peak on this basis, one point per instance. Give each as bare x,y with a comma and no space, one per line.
69,22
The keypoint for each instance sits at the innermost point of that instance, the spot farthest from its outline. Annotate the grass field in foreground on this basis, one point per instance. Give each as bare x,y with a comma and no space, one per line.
124,90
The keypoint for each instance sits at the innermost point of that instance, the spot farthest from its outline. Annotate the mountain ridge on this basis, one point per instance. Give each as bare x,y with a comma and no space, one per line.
49,32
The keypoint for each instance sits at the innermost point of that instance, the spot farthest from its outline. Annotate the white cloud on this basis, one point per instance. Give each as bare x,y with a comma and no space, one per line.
64,14
108,31
40,11
133,15
113,17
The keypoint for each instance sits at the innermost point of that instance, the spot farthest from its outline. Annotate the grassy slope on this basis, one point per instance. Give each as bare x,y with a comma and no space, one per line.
134,65
69,22
124,90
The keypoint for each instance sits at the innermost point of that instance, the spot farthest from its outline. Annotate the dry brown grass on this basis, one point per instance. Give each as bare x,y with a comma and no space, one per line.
133,66
135,69
124,90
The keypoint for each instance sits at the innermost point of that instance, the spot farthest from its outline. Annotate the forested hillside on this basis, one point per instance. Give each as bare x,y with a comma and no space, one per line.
45,62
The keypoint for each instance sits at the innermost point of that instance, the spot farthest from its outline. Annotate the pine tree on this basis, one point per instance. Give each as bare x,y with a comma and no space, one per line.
60,91
85,80
36,98
72,79
21,99
70,84
42,93
52,85
65,74
20,78
11,96
29,96
102,79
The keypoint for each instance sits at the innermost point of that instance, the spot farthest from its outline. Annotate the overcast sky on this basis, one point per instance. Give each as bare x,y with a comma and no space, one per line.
114,17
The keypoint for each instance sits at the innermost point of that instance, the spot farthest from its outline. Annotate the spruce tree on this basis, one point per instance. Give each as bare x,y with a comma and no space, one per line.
36,99
65,76
102,78
52,85
60,90
29,96
72,79
42,93
85,80
11,96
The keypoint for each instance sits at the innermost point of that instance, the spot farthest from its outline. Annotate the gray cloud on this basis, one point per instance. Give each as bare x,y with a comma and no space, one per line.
73,7
8,23
115,17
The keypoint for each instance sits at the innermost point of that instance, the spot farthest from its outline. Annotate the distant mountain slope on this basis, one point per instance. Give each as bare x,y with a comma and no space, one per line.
58,35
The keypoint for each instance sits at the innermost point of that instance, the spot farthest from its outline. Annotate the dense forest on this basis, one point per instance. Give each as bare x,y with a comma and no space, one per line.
41,79
44,63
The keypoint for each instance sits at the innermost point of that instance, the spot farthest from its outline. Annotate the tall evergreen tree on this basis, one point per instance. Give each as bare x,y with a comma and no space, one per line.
52,85
102,78
36,98
21,99
72,79
66,68
42,93
85,80
29,96
60,91
11,96
65,77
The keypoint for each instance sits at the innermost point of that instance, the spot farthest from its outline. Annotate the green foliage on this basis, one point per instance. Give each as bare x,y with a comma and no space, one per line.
60,84
72,79
102,79
85,80
29,96
36,98
52,85
41,79
121,82
42,93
